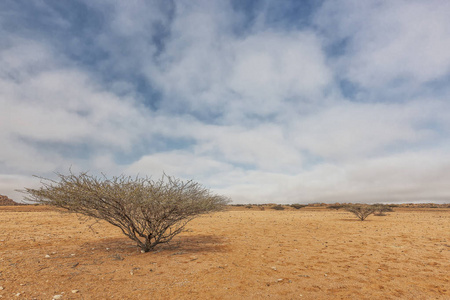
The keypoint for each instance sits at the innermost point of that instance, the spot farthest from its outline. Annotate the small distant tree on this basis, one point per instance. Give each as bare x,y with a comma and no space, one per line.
278,207
298,206
149,212
381,209
362,211
335,207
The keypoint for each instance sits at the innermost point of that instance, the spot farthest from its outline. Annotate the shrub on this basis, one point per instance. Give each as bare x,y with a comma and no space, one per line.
381,209
148,212
249,206
336,207
362,211
297,206
278,207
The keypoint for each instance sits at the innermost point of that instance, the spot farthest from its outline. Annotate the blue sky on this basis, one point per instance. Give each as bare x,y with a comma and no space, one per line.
263,101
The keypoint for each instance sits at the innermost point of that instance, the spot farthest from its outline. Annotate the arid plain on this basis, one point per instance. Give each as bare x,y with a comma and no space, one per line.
311,253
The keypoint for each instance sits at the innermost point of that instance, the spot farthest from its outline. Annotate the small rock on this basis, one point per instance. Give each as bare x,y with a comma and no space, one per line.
274,268
47,256
279,280
325,275
1,288
56,297
107,249
18,294
379,270
72,254
75,291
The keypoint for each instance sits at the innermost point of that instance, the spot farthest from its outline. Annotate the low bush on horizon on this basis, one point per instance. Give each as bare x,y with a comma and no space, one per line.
297,206
278,207
335,207
381,209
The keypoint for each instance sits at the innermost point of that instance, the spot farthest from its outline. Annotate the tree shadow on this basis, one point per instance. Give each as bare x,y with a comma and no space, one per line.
354,220
194,244
179,245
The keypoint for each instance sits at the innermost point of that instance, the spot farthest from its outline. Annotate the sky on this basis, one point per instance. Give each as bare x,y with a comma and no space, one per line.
262,101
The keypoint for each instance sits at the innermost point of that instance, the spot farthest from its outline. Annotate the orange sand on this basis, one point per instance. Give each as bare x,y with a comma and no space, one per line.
311,253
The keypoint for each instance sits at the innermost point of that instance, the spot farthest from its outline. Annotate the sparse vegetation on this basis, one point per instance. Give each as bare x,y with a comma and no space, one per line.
297,206
381,209
335,207
362,211
278,207
148,212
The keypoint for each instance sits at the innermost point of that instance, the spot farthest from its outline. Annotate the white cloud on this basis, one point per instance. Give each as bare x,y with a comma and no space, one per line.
53,103
10,184
407,177
401,177
178,163
389,42
264,147
352,130
271,66
208,67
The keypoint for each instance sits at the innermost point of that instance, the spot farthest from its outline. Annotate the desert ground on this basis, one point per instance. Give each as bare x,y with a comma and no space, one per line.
311,253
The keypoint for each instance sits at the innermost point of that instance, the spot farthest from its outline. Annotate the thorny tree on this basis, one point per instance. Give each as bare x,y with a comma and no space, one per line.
362,211
148,212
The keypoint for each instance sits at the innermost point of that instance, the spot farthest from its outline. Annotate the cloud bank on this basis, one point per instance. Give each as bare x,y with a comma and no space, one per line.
300,102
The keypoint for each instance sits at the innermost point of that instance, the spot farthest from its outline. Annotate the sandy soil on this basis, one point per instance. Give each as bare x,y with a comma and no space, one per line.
237,254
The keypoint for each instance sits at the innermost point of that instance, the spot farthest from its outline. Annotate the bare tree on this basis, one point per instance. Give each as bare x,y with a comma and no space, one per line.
362,211
148,212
